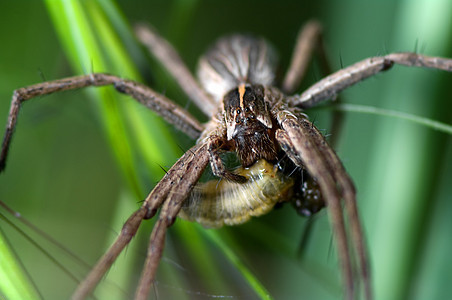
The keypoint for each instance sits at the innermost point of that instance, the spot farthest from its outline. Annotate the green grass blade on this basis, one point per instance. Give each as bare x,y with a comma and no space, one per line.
86,56
372,110
231,255
93,44
405,157
14,283
141,125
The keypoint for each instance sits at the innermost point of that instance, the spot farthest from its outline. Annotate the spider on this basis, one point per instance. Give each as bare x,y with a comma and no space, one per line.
278,114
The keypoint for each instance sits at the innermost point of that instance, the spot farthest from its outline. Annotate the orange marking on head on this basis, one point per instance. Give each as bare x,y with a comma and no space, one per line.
241,94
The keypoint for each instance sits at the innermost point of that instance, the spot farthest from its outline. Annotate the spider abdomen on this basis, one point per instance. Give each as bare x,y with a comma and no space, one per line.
217,203
235,60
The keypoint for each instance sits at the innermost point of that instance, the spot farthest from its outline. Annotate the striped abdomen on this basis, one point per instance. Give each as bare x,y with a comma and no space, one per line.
236,60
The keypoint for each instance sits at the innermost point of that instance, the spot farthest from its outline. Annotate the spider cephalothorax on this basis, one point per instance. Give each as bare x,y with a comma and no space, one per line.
249,124
258,121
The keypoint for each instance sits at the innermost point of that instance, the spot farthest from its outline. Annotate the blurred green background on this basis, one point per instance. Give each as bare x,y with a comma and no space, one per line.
63,172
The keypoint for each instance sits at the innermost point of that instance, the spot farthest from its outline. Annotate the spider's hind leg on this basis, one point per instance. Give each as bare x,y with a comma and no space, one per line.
171,60
309,42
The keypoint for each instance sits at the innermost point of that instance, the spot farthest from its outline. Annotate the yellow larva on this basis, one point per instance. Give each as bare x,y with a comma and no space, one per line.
220,202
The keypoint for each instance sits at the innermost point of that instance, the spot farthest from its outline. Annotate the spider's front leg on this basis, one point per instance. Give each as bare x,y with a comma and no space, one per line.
188,170
306,147
171,191
215,143
143,94
330,86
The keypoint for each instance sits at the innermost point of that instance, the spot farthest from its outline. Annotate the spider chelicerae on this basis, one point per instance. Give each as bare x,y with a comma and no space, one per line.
239,82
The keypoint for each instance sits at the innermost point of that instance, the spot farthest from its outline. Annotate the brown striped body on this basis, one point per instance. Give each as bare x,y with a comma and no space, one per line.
235,60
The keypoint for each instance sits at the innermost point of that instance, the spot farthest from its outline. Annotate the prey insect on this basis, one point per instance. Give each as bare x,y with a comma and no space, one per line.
217,203
249,116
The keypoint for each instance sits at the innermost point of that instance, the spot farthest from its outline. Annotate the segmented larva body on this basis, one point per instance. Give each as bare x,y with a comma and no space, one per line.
220,202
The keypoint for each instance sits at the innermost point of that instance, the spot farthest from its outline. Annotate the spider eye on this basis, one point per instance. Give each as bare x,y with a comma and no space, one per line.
252,116
238,111
247,109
